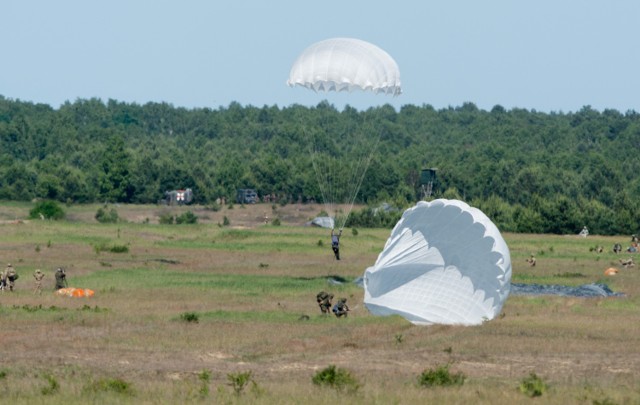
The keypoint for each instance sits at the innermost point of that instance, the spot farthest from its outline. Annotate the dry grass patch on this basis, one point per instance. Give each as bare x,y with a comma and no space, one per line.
252,289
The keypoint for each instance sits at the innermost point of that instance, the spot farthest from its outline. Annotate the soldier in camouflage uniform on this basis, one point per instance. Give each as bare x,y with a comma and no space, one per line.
61,278
341,308
38,275
10,276
324,301
3,278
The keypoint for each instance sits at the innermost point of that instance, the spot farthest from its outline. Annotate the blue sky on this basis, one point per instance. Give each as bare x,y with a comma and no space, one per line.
544,55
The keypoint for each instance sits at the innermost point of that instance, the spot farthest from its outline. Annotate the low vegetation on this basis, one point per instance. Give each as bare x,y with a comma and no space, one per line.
200,313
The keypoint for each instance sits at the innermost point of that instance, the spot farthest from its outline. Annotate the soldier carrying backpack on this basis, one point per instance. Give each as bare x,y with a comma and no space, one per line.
324,301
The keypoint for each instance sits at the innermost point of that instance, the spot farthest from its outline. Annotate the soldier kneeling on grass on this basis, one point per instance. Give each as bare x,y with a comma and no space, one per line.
324,301
341,308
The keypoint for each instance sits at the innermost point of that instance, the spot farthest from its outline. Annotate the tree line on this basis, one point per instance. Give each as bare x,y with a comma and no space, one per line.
528,171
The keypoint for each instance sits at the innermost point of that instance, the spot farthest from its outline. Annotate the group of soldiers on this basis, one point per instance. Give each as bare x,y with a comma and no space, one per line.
324,299
9,276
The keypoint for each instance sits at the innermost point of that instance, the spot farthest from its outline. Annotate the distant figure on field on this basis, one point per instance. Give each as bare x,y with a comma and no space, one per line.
61,278
324,301
584,232
341,308
634,239
531,260
335,243
627,263
38,275
3,278
617,248
10,276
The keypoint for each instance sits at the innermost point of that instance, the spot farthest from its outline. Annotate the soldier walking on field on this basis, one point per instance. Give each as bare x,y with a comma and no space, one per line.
324,301
61,278
38,275
10,276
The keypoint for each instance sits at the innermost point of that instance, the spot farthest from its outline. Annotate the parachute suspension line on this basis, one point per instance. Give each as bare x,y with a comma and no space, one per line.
322,176
359,175
339,181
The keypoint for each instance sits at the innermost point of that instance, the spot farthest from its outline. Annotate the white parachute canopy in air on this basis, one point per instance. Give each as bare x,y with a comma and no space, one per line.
340,161
444,263
346,64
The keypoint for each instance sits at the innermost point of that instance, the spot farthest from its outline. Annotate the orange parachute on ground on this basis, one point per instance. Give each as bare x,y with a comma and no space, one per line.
611,271
75,292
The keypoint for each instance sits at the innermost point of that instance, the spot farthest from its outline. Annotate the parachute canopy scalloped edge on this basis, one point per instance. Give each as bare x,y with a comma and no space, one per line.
346,64
444,263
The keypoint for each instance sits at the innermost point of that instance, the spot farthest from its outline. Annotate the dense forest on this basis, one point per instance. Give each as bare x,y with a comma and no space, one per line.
528,171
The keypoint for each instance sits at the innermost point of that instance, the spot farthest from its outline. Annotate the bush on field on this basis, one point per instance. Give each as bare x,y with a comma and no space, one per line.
533,386
337,378
47,210
107,217
440,377
166,218
187,218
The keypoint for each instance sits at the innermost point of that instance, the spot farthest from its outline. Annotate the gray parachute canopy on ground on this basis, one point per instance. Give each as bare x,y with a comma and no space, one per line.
444,263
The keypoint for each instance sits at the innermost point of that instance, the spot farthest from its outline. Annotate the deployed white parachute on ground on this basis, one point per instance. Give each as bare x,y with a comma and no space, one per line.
444,263
336,65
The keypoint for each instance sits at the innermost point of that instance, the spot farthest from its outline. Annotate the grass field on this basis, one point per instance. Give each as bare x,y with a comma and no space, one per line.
227,314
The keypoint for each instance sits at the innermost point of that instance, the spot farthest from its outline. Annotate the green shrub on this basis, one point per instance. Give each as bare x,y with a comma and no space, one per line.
47,210
337,378
119,249
533,386
440,377
166,218
190,317
116,385
225,221
239,381
187,218
205,379
103,247
275,222
107,217
52,385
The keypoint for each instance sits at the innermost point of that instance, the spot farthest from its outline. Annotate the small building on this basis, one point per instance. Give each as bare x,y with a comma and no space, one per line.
178,197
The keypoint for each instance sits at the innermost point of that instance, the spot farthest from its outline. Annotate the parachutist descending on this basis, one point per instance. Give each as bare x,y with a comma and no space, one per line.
337,65
335,243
